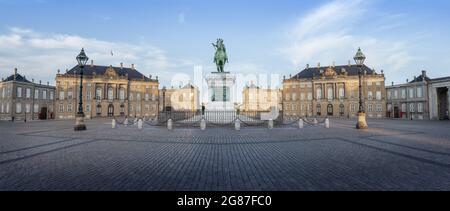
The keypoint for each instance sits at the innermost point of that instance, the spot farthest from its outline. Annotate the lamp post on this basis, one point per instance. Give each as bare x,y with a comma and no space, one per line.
82,59
359,59
164,99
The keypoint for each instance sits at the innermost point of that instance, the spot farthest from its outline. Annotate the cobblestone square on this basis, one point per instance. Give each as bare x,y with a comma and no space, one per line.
392,155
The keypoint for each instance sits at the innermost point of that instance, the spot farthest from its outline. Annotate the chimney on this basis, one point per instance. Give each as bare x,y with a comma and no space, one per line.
92,63
382,72
392,83
156,77
318,65
150,76
307,66
132,66
407,80
40,82
415,78
15,73
121,65
424,74
32,80
349,63
59,71
48,83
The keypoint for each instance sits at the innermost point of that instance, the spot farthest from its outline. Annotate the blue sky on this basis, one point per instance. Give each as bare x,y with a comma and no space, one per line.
171,37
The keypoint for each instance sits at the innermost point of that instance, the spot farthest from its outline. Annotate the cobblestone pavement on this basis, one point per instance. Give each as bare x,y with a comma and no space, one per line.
391,155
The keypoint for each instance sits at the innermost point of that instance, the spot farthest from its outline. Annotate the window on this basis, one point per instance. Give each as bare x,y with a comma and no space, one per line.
7,108
154,97
44,94
288,97
88,95
319,94
411,107
147,97
319,109
302,96
131,96
404,107
302,108
69,108
389,108
122,94
61,95
36,108
352,108
389,95
18,108
369,83
88,108
370,95
370,108
70,94
98,94
36,94
310,97
419,92
403,93
19,92
330,93
28,108
411,93
147,107
110,94
51,95
341,93
396,94
420,107
28,93
379,108
342,110
99,110
138,96
378,83
61,108
378,95
294,96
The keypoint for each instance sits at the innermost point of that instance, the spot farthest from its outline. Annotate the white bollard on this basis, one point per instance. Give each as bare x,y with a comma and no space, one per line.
113,124
140,124
170,124
270,124
315,121
327,123
126,122
301,125
135,120
203,124
237,125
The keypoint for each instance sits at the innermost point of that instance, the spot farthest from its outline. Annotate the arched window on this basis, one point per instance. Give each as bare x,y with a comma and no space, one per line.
342,109
330,110
99,110
110,93
319,110
341,93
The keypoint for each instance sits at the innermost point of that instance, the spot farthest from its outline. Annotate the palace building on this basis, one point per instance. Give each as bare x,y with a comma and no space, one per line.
21,99
259,99
107,92
334,91
184,98
409,100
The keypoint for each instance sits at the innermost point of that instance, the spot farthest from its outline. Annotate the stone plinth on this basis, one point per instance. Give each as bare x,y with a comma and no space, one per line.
222,92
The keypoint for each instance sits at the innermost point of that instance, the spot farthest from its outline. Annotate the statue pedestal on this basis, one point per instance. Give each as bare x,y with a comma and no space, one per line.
222,92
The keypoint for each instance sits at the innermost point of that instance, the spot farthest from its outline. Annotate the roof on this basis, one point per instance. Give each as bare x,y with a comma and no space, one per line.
19,78
351,70
89,70
440,79
420,79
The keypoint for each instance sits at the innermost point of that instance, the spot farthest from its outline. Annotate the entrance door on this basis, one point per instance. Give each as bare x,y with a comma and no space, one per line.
330,110
443,103
43,114
110,110
396,112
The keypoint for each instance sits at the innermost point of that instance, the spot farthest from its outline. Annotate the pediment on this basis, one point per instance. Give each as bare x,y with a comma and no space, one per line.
111,73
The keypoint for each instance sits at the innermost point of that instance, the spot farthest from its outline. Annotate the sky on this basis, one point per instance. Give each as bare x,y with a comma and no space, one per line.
170,38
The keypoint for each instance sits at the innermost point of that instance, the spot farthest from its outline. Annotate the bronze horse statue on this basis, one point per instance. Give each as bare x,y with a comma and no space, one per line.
221,57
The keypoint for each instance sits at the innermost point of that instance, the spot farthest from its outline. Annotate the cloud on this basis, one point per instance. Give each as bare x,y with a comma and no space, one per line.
39,55
332,32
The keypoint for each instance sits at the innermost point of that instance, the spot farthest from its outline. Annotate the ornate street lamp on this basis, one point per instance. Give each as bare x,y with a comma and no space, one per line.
82,59
359,59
